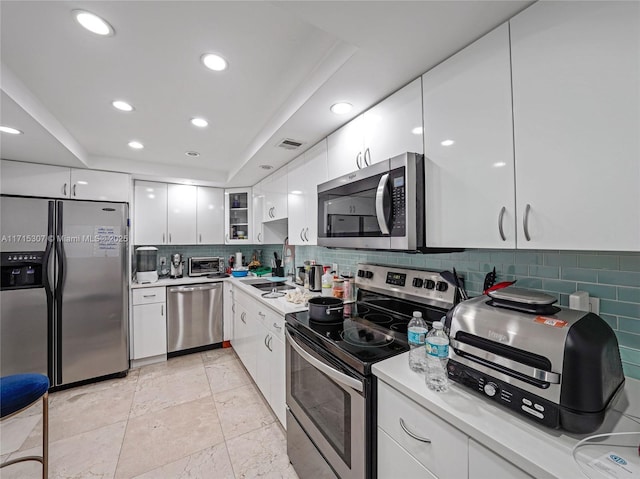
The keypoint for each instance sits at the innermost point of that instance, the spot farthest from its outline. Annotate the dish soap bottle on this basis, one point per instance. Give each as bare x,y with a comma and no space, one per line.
416,334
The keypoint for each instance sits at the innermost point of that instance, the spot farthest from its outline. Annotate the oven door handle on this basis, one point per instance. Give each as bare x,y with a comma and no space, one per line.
322,367
380,196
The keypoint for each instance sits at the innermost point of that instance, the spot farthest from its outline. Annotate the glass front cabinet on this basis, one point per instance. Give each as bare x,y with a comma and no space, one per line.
238,219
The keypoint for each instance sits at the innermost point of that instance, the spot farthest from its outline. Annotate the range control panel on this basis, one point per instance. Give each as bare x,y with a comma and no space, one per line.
416,283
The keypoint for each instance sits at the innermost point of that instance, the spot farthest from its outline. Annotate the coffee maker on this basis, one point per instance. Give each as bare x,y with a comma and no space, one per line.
177,265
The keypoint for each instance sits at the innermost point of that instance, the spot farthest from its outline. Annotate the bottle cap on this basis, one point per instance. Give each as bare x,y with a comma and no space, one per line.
417,314
438,325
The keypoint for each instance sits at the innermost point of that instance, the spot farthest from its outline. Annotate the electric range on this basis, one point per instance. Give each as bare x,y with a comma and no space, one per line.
331,392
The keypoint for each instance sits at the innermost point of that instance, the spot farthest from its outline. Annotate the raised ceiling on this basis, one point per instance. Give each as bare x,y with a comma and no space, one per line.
288,62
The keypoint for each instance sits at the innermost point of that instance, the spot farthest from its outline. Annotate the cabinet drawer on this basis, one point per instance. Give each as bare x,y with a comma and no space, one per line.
394,462
271,320
149,295
445,456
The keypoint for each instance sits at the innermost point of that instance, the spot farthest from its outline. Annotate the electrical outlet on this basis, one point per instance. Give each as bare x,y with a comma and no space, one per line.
594,305
163,260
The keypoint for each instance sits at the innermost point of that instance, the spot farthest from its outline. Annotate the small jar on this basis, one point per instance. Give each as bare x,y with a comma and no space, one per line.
348,296
338,288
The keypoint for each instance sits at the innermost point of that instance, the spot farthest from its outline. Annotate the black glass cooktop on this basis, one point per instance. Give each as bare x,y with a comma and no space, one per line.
367,333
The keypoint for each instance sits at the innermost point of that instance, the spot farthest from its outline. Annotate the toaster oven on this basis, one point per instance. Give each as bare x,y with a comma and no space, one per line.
205,265
557,366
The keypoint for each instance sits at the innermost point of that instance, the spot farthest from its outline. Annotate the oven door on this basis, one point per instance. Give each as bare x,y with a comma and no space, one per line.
328,401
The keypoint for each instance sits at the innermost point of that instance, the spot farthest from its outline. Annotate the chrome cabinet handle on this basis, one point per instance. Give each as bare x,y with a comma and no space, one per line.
169,237
162,238
500,220
367,153
358,160
259,237
64,190
305,234
233,308
269,343
148,295
265,341
413,435
274,212
200,237
260,313
162,310
74,190
242,316
279,328
525,222
301,232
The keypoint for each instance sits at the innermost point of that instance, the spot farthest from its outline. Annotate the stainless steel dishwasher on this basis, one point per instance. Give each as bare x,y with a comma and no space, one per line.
194,316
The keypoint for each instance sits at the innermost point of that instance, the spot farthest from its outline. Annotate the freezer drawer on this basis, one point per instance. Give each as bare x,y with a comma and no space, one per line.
194,316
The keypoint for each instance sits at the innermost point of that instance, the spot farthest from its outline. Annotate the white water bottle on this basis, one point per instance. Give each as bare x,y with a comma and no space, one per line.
416,333
437,356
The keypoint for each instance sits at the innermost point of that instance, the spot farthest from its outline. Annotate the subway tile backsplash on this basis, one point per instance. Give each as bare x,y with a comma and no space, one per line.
612,277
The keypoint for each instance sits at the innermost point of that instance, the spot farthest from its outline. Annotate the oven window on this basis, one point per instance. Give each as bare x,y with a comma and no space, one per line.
325,403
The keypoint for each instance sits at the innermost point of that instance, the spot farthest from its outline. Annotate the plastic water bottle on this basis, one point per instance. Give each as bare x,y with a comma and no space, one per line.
437,356
416,334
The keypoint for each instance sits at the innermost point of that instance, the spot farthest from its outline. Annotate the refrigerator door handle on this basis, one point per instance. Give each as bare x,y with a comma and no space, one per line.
61,260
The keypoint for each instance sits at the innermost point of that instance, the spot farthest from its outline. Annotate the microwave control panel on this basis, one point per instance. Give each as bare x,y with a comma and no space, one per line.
398,202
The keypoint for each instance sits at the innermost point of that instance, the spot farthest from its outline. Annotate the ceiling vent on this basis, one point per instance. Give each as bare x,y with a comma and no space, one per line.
289,144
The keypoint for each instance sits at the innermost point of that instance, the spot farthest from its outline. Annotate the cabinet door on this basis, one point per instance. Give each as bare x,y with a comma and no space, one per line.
576,120
258,206
181,214
395,462
345,149
32,179
245,339
150,213
275,196
99,185
210,215
264,361
277,378
469,147
316,173
237,211
394,126
299,180
149,330
483,463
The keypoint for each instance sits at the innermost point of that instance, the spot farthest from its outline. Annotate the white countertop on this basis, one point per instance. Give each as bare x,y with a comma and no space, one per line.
279,305
540,451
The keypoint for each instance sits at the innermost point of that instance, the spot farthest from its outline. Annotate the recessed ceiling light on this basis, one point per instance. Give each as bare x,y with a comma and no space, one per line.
296,192
11,131
93,23
499,164
201,122
447,142
136,145
214,62
266,167
341,108
417,130
122,105
193,154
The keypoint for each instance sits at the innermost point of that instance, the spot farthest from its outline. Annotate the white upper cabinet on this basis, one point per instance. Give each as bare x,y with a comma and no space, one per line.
305,173
150,213
210,215
99,185
392,127
576,94
274,189
469,147
237,216
33,179
181,214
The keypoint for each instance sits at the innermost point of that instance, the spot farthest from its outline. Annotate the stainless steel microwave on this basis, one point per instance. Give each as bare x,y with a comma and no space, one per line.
204,266
380,207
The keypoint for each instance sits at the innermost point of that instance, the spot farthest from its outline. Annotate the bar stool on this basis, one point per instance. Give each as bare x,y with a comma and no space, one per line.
19,392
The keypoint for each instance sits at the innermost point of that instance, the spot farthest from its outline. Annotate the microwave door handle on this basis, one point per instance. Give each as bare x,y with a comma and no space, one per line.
380,195
328,370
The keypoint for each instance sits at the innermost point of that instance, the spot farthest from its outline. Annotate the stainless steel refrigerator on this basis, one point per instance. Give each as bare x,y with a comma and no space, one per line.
64,298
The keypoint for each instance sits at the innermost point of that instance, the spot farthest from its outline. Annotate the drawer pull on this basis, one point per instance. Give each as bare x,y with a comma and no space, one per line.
415,436
260,313
279,328
148,295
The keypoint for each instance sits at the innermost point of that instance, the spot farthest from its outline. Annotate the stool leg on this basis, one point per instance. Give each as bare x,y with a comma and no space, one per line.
45,436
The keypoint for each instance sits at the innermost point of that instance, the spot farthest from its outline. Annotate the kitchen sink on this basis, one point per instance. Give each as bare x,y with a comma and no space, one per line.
263,285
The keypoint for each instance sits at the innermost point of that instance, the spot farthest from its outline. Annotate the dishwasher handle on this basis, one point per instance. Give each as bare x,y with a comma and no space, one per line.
191,289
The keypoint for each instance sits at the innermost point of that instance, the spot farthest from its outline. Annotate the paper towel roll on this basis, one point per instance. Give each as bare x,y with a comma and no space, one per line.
238,259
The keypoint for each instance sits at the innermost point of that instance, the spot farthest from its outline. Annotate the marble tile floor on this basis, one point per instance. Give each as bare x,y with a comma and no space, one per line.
198,416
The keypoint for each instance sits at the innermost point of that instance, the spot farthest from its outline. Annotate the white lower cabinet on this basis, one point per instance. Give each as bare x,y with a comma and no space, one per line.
394,461
436,445
258,339
149,329
484,463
